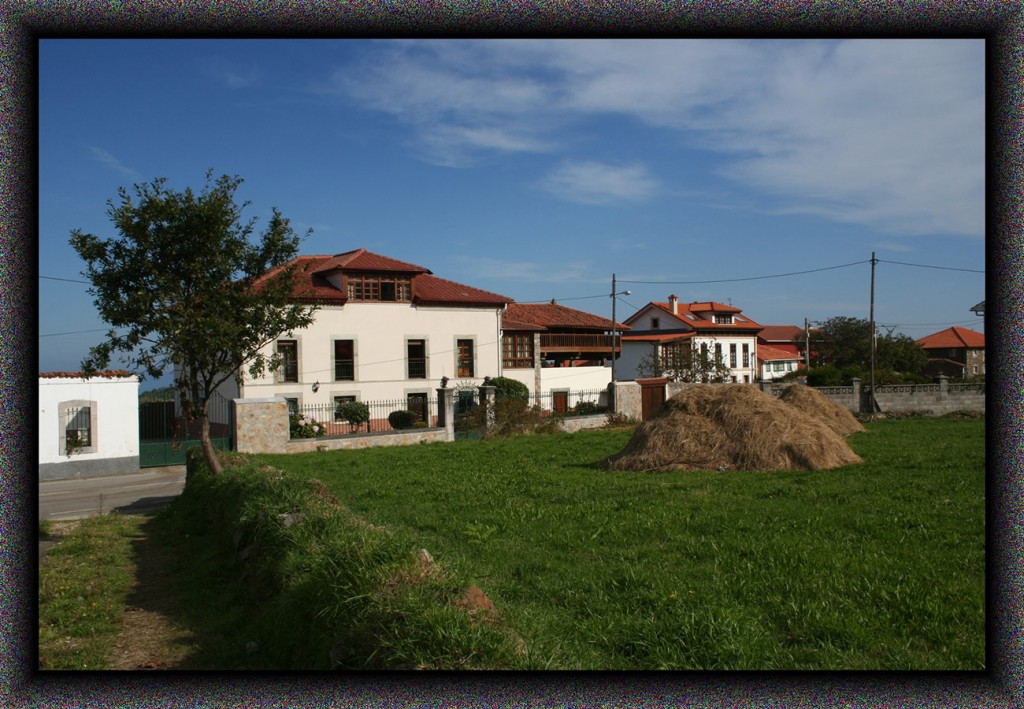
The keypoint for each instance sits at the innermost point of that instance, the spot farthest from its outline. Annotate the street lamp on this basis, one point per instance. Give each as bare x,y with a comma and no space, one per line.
614,326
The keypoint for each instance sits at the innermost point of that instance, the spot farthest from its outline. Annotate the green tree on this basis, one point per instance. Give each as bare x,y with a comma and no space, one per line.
183,287
683,363
844,345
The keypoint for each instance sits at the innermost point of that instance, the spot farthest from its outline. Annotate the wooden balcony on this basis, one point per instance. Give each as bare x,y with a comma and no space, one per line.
578,342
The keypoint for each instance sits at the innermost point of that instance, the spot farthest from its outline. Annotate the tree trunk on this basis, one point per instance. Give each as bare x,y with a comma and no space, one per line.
204,436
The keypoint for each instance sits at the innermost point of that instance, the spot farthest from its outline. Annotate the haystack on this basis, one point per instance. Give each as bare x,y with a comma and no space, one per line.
813,402
734,427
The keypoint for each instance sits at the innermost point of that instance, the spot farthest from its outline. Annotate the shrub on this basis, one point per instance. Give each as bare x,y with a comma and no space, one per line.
355,412
585,408
402,419
300,426
505,388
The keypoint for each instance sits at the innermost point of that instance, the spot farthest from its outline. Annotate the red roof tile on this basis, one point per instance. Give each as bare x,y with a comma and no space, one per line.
767,353
780,333
553,315
690,313
516,326
363,260
105,374
953,338
313,287
431,290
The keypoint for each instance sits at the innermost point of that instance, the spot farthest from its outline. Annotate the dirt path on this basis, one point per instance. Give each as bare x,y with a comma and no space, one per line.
149,638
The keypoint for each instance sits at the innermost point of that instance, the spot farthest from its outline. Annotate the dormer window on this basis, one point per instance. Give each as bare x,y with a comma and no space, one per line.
723,319
382,287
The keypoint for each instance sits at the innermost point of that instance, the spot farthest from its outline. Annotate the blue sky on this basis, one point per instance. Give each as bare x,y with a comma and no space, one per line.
538,168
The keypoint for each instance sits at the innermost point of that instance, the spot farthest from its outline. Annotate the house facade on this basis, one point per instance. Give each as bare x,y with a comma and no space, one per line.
554,349
713,330
957,352
88,427
776,363
385,330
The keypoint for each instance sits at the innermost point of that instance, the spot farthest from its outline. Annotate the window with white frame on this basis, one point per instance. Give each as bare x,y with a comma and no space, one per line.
289,353
732,355
746,355
77,427
344,361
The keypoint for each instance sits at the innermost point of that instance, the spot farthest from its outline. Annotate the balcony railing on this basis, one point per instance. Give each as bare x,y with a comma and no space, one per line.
576,342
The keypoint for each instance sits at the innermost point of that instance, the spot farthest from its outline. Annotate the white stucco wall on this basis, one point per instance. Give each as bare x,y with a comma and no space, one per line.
634,352
768,370
115,425
380,332
560,378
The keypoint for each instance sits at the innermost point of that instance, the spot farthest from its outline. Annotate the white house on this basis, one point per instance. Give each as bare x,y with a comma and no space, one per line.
88,427
386,330
715,329
776,363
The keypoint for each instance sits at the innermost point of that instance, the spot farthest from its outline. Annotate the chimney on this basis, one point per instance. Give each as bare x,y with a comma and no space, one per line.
673,304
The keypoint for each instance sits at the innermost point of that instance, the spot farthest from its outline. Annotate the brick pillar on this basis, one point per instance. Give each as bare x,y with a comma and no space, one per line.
446,412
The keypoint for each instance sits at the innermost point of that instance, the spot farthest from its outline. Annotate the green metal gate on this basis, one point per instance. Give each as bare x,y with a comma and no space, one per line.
165,437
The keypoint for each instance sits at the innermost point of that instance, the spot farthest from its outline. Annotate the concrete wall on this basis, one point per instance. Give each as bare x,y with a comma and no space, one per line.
939,398
627,400
114,418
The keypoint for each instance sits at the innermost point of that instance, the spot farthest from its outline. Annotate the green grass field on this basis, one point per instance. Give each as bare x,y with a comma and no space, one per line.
874,566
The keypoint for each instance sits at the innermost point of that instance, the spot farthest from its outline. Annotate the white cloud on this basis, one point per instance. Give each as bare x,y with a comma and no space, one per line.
113,163
590,182
884,133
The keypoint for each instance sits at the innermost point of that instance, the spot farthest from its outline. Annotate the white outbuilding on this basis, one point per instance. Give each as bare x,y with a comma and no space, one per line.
88,427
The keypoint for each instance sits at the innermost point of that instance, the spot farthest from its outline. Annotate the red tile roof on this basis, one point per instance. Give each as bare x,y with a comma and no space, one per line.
553,315
767,353
516,326
780,333
105,374
690,313
431,290
312,285
363,260
953,338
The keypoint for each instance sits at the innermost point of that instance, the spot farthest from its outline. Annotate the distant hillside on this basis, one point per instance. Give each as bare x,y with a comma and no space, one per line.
161,394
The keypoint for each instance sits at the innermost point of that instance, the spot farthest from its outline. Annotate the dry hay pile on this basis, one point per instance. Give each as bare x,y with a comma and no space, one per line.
813,402
731,426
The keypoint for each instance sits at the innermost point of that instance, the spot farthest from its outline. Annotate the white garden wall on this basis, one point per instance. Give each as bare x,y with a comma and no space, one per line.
113,418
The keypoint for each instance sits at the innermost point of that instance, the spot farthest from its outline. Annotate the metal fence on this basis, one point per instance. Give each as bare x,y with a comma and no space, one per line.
335,419
573,403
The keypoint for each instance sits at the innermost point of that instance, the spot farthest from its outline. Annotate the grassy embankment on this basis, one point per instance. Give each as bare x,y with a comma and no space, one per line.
874,566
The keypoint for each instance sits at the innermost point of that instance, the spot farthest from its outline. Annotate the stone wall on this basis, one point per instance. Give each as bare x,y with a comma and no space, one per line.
939,398
261,425
408,437
578,423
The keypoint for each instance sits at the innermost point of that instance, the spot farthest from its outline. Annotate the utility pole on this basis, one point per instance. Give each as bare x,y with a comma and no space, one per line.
807,344
872,333
613,328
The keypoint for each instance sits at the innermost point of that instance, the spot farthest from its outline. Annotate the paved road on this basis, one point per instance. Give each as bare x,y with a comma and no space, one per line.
135,493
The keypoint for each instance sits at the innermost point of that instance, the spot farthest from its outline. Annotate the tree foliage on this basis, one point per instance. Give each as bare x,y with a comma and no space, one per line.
179,287
841,347
683,363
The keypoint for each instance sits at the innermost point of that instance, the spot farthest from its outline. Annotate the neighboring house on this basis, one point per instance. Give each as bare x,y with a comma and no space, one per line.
956,352
553,348
782,337
776,363
88,427
386,330
715,329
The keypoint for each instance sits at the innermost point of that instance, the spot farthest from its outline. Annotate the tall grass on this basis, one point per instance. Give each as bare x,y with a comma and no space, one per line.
872,566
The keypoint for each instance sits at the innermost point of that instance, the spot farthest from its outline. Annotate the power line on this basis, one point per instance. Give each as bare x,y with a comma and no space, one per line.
76,332
751,278
66,280
921,265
